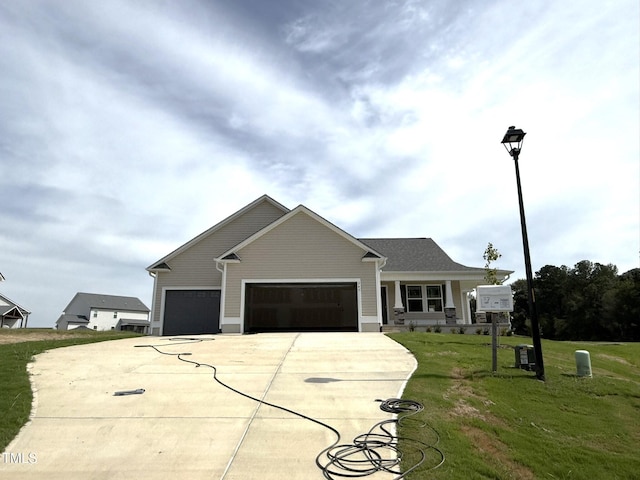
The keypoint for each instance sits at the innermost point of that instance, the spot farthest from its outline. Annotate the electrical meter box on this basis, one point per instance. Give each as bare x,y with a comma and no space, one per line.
525,357
494,298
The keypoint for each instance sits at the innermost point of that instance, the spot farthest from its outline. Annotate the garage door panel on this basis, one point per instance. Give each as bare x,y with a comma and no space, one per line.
191,312
301,307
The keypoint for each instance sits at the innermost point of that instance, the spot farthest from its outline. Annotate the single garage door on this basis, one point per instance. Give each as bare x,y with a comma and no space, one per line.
295,307
191,312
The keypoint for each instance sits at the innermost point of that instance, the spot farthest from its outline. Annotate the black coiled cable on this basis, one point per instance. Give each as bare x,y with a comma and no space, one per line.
371,452
378,450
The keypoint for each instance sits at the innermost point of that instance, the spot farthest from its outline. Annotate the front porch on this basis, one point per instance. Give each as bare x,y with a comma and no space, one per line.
425,303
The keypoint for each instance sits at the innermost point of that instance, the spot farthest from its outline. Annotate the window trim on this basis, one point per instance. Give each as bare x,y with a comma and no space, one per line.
438,299
415,299
425,299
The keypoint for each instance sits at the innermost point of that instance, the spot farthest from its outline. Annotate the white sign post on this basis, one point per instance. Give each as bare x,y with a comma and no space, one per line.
494,298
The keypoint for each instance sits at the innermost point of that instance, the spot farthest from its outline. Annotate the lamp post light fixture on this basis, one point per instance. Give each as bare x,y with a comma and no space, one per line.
512,141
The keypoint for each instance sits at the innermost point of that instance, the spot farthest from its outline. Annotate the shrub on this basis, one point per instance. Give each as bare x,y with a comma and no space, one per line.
478,331
462,330
437,329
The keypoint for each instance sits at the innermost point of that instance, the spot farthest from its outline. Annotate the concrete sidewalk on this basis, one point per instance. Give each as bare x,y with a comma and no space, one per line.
186,425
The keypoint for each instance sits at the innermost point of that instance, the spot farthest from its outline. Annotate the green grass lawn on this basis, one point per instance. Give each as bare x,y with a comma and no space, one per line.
505,425
508,425
15,389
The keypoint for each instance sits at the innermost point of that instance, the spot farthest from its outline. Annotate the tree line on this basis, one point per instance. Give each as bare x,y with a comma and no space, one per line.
590,301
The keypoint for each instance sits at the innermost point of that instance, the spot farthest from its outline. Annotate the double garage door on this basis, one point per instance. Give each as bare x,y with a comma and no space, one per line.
296,307
269,307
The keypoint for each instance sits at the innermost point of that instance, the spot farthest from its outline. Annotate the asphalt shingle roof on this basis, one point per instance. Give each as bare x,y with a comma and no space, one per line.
110,302
415,255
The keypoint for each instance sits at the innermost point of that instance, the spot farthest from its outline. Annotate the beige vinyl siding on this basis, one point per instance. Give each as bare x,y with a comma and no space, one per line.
195,267
301,248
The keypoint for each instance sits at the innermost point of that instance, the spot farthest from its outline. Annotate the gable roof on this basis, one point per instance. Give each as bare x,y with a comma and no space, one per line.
162,263
73,319
4,309
410,255
84,302
415,255
370,253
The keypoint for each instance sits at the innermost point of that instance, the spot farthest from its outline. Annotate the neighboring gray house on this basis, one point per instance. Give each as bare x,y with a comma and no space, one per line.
12,315
105,312
268,268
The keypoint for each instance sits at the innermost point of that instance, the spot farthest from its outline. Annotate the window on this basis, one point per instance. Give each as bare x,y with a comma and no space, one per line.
414,298
115,314
95,313
434,298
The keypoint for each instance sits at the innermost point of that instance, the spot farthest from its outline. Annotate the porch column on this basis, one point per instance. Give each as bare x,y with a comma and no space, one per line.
398,295
449,306
398,307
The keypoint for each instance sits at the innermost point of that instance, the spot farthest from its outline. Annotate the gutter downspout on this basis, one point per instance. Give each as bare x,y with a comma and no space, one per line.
223,290
153,275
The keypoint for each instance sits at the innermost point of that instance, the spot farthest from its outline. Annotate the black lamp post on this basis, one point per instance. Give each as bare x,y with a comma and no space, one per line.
512,141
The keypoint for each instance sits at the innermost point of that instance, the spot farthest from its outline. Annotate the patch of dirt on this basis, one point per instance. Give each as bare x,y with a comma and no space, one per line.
615,359
460,391
496,453
445,353
491,448
463,409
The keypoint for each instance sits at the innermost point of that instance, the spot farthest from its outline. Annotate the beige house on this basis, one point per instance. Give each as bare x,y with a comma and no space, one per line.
268,268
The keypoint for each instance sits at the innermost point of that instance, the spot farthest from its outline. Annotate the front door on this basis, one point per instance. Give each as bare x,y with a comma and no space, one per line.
383,296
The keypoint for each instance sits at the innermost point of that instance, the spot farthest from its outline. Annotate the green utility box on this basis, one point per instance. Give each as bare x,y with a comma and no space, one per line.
525,357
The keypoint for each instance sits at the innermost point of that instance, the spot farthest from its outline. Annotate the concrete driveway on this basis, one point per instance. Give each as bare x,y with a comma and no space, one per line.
186,425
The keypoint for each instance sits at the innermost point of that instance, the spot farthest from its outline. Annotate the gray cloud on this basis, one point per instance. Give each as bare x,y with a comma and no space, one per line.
128,128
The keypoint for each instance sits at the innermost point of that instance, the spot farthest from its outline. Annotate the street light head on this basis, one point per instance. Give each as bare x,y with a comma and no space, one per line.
512,140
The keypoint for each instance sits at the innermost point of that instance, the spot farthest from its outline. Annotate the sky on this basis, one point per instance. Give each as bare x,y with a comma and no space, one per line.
127,128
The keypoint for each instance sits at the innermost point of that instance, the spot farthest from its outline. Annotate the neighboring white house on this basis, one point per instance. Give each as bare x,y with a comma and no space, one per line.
12,315
105,312
268,268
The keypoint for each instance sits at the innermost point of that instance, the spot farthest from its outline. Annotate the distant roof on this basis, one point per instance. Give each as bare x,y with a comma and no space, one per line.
72,319
415,255
6,303
110,302
133,321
